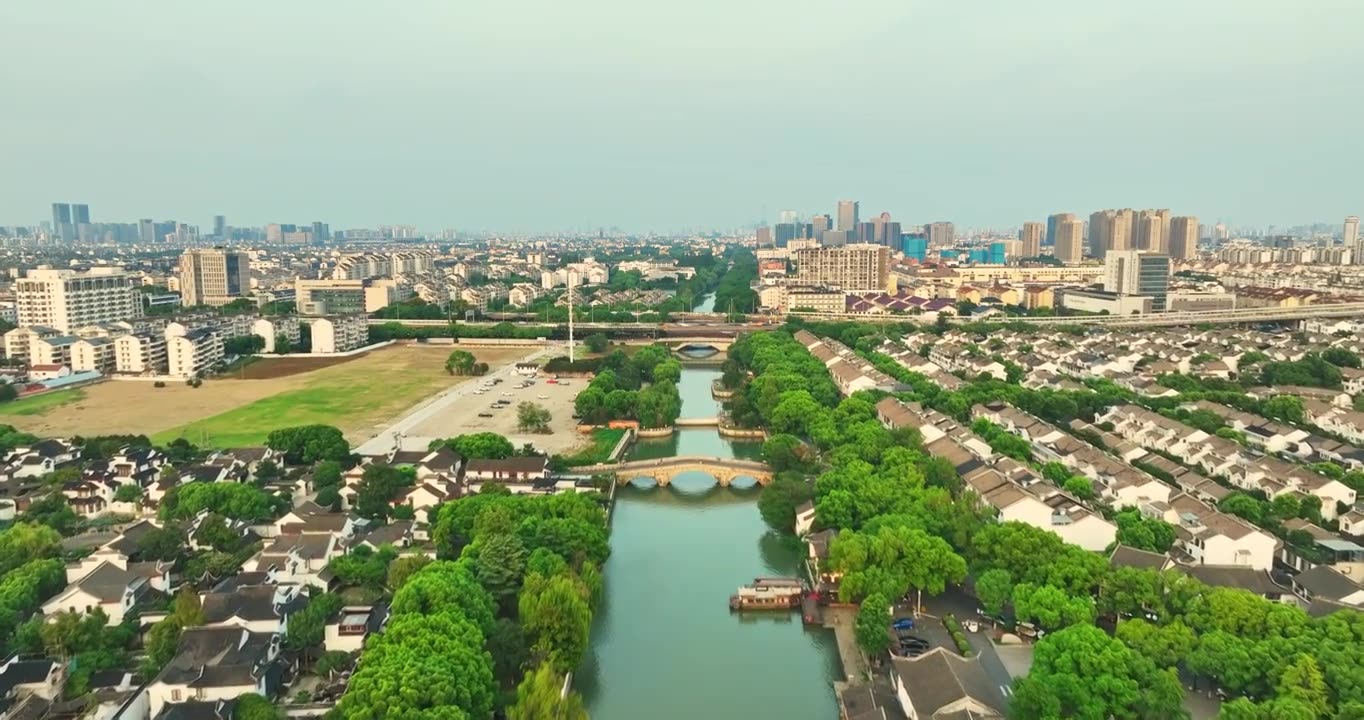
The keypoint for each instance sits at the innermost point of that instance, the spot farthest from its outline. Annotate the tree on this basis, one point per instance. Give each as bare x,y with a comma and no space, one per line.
539,697
460,362
24,542
307,627
780,499
255,707
187,609
162,641
500,564
54,512
532,417
1051,608
870,627
243,345
327,474
482,446
363,567
443,586
1081,672
1080,487
402,569
507,644
1302,681
892,561
995,589
422,666
307,444
597,342
267,471
378,486
1165,645
556,615
786,452
231,500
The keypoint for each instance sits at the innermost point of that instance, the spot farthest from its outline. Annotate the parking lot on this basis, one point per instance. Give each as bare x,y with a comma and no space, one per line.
928,628
491,407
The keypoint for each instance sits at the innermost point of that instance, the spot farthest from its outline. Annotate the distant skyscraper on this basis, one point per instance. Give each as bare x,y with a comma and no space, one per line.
1220,232
847,215
764,238
1352,240
819,224
219,226
1031,237
61,221
1151,230
786,216
146,231
786,232
914,246
865,232
1109,230
1053,223
321,233
1070,241
941,234
1183,238
80,214
890,234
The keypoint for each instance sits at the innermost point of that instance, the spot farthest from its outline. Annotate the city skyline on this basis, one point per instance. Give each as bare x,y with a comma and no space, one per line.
487,122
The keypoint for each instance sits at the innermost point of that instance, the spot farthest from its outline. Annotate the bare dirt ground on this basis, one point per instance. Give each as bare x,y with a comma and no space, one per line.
462,416
136,407
276,367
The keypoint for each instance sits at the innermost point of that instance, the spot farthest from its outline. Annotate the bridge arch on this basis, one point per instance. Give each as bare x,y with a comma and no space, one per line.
724,470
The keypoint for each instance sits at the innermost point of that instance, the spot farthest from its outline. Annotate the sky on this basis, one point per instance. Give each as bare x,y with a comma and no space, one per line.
547,115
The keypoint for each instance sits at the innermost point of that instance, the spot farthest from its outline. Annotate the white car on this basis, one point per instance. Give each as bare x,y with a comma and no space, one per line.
542,397
506,394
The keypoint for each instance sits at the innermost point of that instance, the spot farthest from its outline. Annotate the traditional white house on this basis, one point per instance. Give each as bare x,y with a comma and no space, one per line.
217,663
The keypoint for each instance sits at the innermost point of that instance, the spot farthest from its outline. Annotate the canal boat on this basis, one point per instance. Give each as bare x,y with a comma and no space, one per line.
768,594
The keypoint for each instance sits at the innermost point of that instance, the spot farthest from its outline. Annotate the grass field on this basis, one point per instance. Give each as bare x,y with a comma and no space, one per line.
360,397
40,404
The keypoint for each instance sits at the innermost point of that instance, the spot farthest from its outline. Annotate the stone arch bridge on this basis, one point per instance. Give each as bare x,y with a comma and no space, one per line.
663,470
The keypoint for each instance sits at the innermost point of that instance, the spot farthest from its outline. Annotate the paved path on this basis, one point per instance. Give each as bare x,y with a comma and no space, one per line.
1001,671
383,442
840,620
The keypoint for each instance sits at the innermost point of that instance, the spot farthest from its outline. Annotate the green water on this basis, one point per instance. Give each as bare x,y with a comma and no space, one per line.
665,644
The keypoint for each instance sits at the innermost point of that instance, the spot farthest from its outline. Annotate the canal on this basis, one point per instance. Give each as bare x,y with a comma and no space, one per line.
664,643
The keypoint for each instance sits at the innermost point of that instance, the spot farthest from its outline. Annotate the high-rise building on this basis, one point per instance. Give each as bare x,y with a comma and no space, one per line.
1351,239
80,214
847,215
1151,231
219,226
1133,272
1109,230
61,221
865,233
889,234
214,276
834,238
1054,223
1183,237
819,224
1031,237
321,233
764,236
1070,241
941,234
786,232
851,268
146,231
914,246
66,299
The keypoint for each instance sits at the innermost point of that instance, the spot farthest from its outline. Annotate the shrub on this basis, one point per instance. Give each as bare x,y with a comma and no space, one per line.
958,636
159,383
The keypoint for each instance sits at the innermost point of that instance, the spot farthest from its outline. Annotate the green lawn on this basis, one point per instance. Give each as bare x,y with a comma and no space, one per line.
353,397
39,404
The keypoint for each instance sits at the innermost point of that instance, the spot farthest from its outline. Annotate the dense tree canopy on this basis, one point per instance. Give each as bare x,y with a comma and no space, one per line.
308,444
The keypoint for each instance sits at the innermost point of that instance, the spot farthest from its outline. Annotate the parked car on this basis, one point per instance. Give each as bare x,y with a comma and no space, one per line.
485,414
914,643
903,624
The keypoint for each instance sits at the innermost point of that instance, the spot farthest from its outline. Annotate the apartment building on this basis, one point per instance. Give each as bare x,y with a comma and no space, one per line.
96,353
272,328
340,333
140,353
19,341
193,353
851,268
347,297
66,299
374,265
214,276
54,350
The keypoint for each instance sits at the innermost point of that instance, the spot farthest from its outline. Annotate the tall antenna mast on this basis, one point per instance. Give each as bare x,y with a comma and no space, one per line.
570,315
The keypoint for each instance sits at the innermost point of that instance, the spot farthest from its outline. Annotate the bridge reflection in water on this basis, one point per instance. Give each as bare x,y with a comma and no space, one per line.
662,470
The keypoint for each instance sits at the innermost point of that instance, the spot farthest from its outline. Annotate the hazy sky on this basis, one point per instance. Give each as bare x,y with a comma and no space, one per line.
648,114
